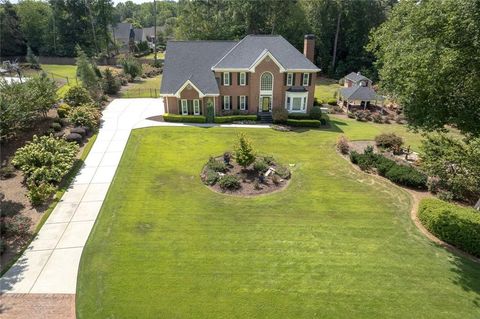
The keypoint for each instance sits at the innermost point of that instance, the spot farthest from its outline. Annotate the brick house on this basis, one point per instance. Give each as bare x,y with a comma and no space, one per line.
254,75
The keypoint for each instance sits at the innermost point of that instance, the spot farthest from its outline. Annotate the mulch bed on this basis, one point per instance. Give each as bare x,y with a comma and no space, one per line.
247,179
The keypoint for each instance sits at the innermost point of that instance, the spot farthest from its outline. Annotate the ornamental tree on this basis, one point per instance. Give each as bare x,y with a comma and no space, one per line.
243,151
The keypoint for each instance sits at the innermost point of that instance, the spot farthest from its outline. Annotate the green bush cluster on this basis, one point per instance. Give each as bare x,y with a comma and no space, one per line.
459,226
62,110
399,174
229,182
299,116
44,161
389,141
76,96
86,115
216,165
303,123
167,117
316,113
280,115
260,165
234,118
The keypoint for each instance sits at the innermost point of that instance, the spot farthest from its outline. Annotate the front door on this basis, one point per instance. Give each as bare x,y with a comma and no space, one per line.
265,104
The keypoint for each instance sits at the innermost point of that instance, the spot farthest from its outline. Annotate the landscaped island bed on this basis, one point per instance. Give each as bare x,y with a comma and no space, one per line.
335,243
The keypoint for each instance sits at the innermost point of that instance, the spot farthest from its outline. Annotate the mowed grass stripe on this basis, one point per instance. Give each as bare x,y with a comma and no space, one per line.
336,243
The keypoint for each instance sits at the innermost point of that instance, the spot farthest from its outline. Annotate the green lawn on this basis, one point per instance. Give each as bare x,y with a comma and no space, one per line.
337,243
325,89
160,55
149,87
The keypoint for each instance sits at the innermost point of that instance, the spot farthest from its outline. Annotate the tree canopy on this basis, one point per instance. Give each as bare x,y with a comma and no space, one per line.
428,57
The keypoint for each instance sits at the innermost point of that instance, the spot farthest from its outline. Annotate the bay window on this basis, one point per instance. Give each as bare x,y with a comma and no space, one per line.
296,102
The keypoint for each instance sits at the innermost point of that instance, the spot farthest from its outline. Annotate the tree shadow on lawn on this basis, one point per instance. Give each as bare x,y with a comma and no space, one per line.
332,126
467,276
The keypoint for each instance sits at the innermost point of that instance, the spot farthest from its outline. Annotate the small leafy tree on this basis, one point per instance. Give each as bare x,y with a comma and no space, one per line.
86,71
111,85
32,59
455,163
243,151
131,67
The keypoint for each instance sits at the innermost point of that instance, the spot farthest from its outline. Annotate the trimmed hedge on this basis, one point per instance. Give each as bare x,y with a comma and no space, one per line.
299,116
184,118
234,118
406,176
457,225
303,123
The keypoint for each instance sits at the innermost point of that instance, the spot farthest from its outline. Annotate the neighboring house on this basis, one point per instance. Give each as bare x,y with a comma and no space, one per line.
145,34
256,74
358,92
123,34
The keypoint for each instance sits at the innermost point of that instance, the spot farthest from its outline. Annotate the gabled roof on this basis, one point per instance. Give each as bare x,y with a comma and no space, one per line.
247,51
138,35
361,93
192,61
356,77
122,30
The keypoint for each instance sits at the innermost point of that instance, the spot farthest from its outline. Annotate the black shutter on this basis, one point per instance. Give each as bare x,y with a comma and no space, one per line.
246,102
221,78
230,82
179,106
200,106
238,78
310,79
285,76
246,78
238,102
223,102
293,80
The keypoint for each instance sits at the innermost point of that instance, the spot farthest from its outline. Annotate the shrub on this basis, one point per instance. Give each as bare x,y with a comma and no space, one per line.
243,151
131,67
16,226
63,110
210,113
303,123
445,195
299,116
56,126
389,141
377,118
85,115
167,117
342,144
332,101
7,172
216,165
459,226
283,172
260,165
351,115
234,118
280,115
324,119
384,164
316,113
211,177
38,194
275,179
111,84
407,176
45,159
269,159
229,182
363,116
77,95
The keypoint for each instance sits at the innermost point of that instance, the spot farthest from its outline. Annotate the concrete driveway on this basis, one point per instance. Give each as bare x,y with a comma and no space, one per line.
50,264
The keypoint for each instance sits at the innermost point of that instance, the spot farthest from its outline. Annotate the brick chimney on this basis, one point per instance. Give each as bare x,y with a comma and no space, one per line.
309,47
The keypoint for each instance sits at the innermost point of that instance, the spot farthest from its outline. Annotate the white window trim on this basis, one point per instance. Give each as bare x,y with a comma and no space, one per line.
225,99
266,92
244,82
226,78
304,101
305,78
289,79
196,107
184,103
243,102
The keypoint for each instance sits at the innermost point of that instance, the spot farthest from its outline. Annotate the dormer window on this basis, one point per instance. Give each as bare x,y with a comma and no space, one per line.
226,78
289,79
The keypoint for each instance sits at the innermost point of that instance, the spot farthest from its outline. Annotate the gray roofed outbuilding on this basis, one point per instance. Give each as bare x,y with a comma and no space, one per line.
192,60
121,31
360,93
250,48
356,77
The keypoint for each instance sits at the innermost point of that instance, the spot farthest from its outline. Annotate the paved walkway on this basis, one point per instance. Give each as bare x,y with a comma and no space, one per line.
50,264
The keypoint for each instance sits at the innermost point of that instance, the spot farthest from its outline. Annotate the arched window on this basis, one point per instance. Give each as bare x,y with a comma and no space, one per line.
266,82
